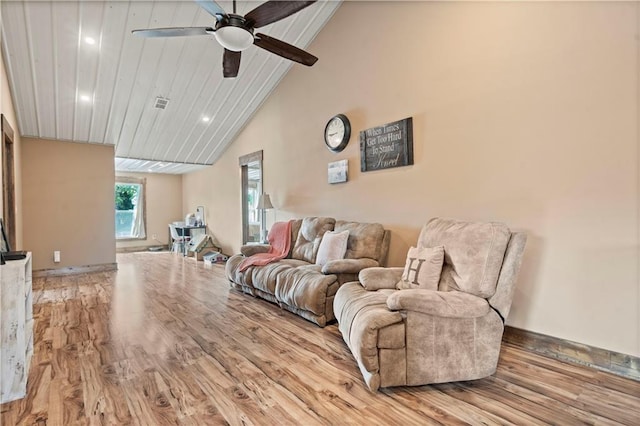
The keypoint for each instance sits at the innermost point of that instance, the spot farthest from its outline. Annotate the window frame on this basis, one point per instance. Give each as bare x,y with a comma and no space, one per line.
126,180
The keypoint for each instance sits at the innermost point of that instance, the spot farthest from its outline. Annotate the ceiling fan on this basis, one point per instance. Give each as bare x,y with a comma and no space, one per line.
235,32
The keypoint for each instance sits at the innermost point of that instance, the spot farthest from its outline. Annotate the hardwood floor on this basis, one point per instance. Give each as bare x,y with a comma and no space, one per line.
164,341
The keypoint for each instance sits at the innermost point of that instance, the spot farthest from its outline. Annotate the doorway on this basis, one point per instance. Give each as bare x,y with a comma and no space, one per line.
252,217
8,182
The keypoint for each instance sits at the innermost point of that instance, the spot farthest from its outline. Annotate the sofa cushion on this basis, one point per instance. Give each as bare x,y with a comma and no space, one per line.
365,239
473,253
304,288
332,247
444,304
264,277
294,262
310,267
422,268
309,237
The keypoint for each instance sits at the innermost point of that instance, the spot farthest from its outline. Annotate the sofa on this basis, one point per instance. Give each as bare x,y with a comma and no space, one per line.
441,317
300,285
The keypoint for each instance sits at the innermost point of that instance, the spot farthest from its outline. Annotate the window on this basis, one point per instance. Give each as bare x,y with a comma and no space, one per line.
130,211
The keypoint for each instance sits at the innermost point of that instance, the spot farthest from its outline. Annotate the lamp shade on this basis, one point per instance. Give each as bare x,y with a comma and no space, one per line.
264,202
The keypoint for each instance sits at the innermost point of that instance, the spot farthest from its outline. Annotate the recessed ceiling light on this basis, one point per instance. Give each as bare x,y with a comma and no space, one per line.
90,40
205,119
85,98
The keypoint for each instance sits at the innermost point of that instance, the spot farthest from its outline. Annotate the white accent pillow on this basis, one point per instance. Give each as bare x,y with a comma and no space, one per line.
332,247
422,268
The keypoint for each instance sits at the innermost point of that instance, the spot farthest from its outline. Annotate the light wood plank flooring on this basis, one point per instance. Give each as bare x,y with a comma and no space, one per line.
164,341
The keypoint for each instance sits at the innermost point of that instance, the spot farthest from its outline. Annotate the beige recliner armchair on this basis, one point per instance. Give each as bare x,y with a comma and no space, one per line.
450,332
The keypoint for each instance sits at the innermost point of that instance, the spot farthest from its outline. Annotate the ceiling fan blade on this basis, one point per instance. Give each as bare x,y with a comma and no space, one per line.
230,63
273,11
212,7
174,32
285,50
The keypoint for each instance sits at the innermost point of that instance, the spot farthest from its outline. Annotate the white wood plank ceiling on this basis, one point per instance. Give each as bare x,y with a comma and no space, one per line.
76,73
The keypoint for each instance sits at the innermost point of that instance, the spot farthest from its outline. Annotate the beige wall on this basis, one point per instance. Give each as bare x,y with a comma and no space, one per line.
68,203
6,108
163,204
523,112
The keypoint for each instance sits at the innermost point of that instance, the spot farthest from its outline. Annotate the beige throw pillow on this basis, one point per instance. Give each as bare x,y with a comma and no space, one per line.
332,247
422,269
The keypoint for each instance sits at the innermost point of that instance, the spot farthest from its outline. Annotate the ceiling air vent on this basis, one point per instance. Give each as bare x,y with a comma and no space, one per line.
161,103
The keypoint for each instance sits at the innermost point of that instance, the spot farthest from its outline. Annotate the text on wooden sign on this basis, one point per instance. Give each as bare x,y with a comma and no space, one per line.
386,146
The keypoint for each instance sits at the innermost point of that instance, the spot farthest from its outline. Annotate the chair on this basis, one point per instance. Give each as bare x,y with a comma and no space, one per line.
178,241
449,332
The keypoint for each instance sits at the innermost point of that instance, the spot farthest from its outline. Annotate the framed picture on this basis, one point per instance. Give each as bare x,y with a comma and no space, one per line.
338,171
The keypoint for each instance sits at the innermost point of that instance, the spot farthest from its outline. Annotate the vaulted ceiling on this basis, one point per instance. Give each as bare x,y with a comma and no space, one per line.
76,73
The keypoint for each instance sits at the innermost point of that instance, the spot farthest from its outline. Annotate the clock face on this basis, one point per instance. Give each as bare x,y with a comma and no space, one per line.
337,133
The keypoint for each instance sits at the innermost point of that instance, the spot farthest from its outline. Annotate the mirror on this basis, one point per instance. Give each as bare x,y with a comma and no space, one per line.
252,217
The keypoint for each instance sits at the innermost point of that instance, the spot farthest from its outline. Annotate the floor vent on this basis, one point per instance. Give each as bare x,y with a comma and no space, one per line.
161,103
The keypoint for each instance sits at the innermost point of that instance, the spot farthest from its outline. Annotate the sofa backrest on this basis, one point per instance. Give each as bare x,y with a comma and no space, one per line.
386,240
501,300
366,240
308,240
473,253
296,224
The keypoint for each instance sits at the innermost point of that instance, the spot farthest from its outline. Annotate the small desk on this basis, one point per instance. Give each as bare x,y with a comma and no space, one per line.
189,232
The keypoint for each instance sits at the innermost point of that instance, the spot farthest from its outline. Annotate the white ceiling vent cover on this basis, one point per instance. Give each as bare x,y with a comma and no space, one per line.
161,103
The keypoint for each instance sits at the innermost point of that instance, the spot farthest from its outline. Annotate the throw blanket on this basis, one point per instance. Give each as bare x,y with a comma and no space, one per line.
280,242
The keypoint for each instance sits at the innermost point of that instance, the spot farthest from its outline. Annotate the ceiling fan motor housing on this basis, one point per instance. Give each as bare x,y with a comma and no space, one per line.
233,33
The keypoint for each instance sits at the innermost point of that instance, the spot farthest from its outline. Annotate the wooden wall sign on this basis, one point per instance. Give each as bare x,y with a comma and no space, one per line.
386,146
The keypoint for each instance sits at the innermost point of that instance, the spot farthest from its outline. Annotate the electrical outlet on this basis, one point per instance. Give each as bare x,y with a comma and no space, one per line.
56,256
154,237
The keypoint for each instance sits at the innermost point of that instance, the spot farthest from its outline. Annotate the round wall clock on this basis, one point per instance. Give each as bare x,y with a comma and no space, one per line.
337,133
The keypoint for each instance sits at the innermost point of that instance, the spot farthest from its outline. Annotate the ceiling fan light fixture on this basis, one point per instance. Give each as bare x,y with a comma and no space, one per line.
233,38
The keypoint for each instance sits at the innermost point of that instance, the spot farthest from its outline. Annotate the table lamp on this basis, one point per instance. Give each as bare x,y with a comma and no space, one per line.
264,203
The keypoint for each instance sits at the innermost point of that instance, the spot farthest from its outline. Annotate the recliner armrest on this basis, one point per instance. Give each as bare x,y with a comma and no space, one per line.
251,249
448,304
348,266
373,279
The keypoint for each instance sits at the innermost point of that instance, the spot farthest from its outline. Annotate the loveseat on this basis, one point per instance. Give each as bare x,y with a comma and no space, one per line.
297,283
441,317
